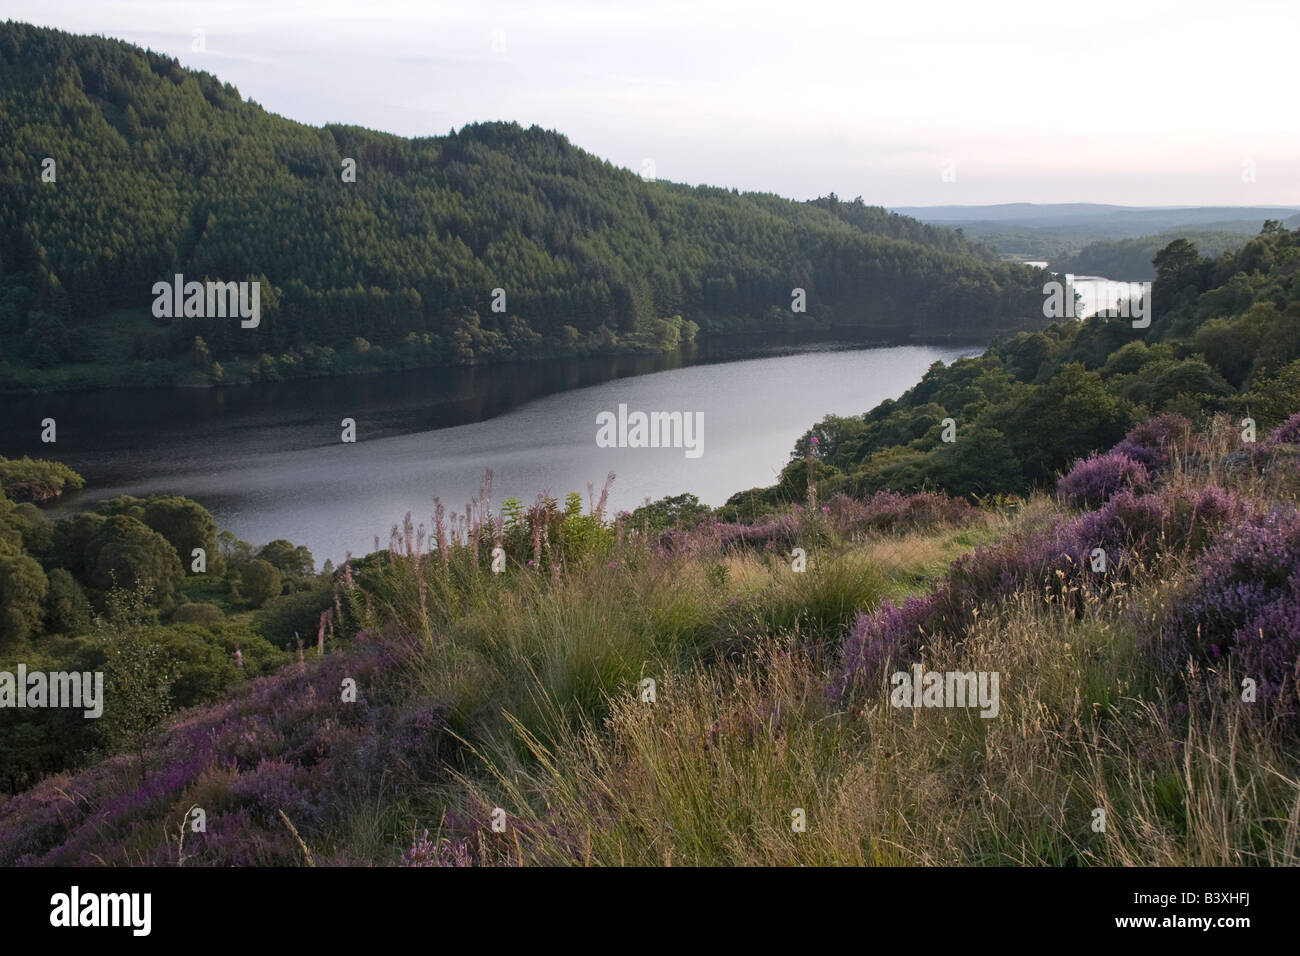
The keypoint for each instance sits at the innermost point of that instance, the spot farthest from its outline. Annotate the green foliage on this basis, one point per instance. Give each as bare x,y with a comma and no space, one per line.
1130,260
67,609
203,615
184,523
1224,336
23,587
138,675
126,558
125,553
288,560
672,511
298,613
260,581
199,668
981,462
72,536
1274,399
582,535
35,479
169,170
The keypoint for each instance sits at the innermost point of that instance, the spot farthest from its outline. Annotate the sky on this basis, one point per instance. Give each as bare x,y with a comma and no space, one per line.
909,102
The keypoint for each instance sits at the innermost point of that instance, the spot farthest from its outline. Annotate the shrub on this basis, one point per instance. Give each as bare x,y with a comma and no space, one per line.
1151,443
1133,531
298,613
1149,527
259,582
1288,433
204,615
889,633
67,610
125,553
23,586
289,560
1095,479
889,512
1245,601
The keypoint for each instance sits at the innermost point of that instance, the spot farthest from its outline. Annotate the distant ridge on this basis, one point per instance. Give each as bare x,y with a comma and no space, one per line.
1062,213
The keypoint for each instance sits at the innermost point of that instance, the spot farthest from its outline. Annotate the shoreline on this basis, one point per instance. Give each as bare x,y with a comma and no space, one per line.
774,340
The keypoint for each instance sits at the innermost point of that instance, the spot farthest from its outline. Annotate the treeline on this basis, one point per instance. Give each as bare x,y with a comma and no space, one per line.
159,170
1130,260
1224,337
83,592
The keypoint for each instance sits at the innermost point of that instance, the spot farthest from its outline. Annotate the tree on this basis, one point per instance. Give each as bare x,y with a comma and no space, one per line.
980,462
23,586
260,582
138,676
186,525
66,609
1049,426
1175,262
289,560
72,536
126,553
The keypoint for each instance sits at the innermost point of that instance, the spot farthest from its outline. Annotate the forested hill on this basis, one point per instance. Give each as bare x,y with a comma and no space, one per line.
161,170
1224,339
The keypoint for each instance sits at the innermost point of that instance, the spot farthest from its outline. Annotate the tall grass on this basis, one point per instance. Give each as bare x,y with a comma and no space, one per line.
711,773
519,689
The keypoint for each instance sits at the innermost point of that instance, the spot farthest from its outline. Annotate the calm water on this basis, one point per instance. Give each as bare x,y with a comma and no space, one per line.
268,462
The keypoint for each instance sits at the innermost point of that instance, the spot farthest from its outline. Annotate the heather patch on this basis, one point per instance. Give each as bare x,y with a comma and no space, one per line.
1092,481
1244,601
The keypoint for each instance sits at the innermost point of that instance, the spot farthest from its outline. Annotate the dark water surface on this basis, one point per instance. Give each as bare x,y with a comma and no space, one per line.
268,462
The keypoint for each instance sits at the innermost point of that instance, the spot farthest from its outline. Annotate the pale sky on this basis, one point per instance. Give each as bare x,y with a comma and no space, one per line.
1139,102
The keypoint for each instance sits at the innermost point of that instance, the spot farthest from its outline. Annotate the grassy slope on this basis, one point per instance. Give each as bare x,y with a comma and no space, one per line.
520,691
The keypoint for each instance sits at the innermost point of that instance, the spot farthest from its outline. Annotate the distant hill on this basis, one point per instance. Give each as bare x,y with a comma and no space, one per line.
1130,260
160,170
1057,231
1095,214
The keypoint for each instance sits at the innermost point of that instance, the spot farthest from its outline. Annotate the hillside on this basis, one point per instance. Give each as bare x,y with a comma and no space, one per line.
158,170
1224,338
1129,569
632,693
1130,260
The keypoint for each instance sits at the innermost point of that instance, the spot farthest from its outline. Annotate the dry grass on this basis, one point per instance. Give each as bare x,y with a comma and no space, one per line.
711,773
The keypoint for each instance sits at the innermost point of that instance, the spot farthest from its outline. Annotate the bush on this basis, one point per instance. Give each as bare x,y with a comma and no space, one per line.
1141,530
71,538
287,559
66,609
185,524
1151,443
1244,601
1132,531
889,512
22,595
125,553
1094,480
260,582
1288,433
35,479
298,612
204,615
889,634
